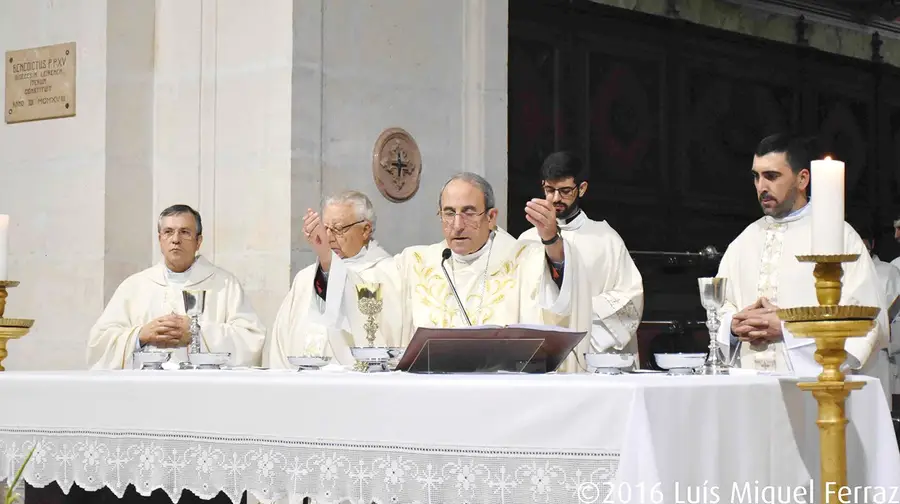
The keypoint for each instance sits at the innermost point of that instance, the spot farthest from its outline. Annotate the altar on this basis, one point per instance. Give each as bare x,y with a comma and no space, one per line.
401,437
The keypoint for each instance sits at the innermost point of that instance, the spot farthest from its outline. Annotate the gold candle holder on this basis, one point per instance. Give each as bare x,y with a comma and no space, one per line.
830,324
10,328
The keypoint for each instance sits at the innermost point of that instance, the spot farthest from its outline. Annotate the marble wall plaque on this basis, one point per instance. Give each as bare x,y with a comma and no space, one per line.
396,165
40,83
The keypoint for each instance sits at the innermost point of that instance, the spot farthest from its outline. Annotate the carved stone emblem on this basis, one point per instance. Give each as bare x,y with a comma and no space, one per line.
396,165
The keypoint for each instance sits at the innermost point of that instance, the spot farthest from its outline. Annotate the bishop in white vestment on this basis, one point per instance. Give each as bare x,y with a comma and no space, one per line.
147,309
616,286
764,275
500,280
349,221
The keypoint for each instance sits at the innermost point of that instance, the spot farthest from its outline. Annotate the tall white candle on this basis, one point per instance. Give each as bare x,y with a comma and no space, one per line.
4,245
827,206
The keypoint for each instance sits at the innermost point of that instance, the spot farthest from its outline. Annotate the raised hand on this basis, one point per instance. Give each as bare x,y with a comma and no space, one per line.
541,214
314,231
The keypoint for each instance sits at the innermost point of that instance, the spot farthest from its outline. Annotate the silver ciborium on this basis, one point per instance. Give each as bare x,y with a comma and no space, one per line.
368,297
712,298
194,305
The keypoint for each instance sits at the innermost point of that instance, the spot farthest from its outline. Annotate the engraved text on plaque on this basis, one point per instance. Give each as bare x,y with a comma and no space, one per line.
40,83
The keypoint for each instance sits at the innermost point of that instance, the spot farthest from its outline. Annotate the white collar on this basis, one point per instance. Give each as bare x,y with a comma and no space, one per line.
359,255
470,258
174,276
574,222
791,217
371,252
199,271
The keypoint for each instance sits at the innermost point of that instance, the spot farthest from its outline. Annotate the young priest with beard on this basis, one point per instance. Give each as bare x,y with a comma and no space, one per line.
764,274
617,290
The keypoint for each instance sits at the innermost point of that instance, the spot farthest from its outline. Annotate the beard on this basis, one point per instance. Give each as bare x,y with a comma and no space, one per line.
564,211
781,208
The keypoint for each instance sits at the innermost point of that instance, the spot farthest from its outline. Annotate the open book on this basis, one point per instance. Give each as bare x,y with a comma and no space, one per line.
490,348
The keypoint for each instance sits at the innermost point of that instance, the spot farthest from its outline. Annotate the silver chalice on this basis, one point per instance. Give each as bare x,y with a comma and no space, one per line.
712,298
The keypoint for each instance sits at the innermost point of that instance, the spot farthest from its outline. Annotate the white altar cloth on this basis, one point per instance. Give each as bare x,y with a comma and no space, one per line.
397,437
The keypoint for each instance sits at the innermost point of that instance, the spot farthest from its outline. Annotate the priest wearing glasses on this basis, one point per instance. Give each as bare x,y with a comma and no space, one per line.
349,223
500,280
147,310
617,288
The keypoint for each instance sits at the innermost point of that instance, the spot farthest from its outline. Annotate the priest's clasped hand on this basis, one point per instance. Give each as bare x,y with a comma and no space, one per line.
168,331
757,323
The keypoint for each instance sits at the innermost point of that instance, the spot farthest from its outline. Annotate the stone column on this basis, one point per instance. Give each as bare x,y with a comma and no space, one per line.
223,134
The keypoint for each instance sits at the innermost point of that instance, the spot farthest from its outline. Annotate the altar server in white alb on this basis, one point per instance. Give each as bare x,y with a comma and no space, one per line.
889,278
617,289
147,309
500,280
349,223
763,272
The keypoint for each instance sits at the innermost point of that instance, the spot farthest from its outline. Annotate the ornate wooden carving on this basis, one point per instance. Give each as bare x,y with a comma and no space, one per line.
672,8
668,114
876,48
800,28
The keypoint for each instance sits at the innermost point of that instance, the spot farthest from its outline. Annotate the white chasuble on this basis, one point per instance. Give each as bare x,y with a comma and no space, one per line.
761,262
616,286
505,282
228,323
298,329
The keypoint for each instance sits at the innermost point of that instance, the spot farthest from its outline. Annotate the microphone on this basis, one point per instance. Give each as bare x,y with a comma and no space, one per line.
446,255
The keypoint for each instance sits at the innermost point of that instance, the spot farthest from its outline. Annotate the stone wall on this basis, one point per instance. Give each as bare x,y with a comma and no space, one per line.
73,186
250,112
434,68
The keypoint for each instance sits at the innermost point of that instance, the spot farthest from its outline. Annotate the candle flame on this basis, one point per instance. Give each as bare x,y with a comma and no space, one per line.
827,158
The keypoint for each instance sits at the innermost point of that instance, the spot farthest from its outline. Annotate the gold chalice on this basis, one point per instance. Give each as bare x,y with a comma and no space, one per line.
368,298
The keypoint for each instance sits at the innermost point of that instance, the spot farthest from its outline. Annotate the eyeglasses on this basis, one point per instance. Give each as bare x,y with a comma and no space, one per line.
565,192
468,216
184,234
341,231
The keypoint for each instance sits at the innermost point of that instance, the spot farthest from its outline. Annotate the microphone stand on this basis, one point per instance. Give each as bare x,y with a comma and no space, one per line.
445,256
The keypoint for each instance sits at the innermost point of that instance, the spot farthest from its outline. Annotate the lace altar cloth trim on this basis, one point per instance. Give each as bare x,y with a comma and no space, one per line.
289,470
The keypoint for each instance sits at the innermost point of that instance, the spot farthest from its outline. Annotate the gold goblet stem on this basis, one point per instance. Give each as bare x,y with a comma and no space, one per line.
370,328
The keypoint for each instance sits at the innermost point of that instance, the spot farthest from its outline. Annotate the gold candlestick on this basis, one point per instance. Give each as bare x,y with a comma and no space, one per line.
10,328
830,324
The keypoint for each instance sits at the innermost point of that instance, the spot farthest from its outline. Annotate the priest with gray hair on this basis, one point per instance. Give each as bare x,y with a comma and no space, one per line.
348,225
499,280
147,310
